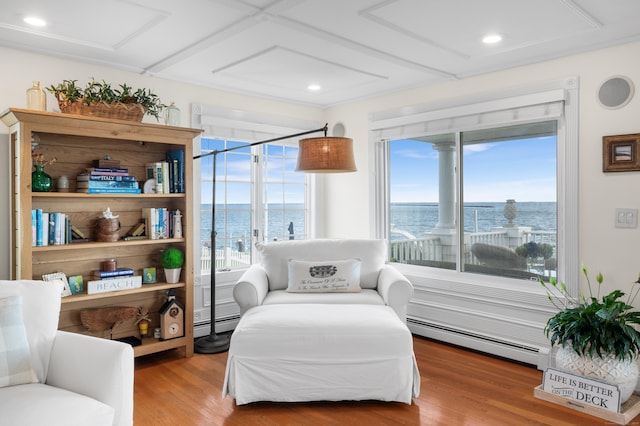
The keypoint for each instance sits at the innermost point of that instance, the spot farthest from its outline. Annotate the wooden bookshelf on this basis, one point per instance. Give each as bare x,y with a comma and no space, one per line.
76,141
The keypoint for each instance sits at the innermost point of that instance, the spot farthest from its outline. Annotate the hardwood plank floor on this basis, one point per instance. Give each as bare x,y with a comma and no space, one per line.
459,387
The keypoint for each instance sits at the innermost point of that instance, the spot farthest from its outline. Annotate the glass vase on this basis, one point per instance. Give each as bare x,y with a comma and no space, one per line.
36,97
40,181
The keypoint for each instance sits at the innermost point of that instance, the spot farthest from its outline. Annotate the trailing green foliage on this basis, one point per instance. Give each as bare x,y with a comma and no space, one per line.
95,92
592,325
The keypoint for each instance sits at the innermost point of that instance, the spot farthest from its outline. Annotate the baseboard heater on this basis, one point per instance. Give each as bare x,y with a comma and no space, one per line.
492,345
222,325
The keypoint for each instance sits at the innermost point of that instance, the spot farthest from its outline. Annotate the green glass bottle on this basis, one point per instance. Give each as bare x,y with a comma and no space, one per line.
40,181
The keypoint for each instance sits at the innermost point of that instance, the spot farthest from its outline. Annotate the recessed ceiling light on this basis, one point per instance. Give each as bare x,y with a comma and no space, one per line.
492,38
35,21
314,87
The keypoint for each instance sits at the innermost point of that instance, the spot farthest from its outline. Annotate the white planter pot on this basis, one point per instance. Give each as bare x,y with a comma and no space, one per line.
608,369
172,276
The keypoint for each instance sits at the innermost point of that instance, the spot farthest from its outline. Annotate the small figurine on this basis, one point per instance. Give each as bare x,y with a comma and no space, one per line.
108,215
177,225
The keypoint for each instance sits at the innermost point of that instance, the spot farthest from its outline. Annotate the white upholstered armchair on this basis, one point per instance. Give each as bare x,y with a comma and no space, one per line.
52,377
276,280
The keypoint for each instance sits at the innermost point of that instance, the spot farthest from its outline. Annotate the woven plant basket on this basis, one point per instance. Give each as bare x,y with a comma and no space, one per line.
118,110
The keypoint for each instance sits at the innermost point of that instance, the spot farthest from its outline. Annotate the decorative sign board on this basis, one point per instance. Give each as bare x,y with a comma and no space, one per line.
582,389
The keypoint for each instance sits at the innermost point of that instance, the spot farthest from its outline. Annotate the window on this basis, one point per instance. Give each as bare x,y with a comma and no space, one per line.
484,187
259,196
252,203
498,166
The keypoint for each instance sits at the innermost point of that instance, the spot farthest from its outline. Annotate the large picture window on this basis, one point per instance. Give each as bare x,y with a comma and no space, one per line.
503,178
486,187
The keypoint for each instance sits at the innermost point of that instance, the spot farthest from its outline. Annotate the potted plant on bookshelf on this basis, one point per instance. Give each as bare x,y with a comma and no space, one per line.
101,100
143,320
172,260
595,335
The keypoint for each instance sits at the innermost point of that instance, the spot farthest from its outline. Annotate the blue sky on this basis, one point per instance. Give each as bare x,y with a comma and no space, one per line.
524,170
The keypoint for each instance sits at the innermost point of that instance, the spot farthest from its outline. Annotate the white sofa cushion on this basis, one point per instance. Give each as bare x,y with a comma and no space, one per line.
37,404
15,357
41,310
274,257
324,276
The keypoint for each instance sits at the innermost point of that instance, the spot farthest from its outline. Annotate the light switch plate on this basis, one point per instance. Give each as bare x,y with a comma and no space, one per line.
626,218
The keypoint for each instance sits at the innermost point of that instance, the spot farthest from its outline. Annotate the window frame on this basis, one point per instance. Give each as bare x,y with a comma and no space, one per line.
381,131
224,123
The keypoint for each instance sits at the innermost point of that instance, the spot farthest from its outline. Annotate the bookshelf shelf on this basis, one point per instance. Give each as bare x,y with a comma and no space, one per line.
109,245
77,141
80,298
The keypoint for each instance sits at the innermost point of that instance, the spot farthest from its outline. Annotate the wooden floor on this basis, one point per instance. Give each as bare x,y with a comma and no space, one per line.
459,387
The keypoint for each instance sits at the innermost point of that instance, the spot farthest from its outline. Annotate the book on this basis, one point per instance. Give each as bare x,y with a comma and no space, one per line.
107,169
106,184
165,178
120,272
149,217
109,190
154,172
114,284
38,227
84,177
48,229
34,227
177,158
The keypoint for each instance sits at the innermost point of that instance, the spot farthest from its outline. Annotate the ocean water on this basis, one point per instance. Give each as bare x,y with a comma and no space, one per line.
414,218
238,223
418,218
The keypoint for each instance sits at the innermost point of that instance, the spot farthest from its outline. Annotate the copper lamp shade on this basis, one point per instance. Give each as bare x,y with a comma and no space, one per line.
325,155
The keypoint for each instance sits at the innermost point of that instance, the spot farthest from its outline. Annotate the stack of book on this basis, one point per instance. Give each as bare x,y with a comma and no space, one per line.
118,273
107,180
168,175
49,228
158,222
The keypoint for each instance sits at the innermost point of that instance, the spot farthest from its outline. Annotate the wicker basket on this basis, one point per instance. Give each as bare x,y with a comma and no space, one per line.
120,111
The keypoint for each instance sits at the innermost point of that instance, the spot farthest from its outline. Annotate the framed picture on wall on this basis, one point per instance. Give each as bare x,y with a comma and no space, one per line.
620,153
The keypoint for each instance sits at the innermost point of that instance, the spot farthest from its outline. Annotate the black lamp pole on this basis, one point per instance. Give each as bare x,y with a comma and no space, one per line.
216,343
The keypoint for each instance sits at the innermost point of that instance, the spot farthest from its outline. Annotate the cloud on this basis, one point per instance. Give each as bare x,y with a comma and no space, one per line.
412,153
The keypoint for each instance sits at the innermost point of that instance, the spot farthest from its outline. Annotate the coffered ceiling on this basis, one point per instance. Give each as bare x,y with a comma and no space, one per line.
350,48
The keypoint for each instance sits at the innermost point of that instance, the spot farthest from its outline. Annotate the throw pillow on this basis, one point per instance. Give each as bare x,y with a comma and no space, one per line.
15,357
331,276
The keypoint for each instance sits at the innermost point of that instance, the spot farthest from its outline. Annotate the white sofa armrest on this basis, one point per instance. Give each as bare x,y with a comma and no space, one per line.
252,288
396,290
99,368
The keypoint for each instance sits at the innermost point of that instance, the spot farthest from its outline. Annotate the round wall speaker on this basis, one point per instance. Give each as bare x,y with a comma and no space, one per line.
338,130
615,92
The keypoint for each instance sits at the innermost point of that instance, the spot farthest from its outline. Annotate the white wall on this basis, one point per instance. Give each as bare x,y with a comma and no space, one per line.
603,248
20,69
614,252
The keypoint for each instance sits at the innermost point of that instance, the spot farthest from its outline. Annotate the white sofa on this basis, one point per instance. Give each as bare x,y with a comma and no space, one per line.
265,283
75,379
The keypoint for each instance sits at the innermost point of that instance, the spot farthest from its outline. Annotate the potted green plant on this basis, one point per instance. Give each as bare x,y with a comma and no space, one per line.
102,100
172,260
594,333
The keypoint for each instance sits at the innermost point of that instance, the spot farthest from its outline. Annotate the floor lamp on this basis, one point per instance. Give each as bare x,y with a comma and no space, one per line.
315,155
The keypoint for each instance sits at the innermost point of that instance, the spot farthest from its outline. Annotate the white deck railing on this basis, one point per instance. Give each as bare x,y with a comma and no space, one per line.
225,258
425,248
431,247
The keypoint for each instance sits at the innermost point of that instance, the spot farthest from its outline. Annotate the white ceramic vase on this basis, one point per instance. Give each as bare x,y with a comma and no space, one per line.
609,369
172,276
